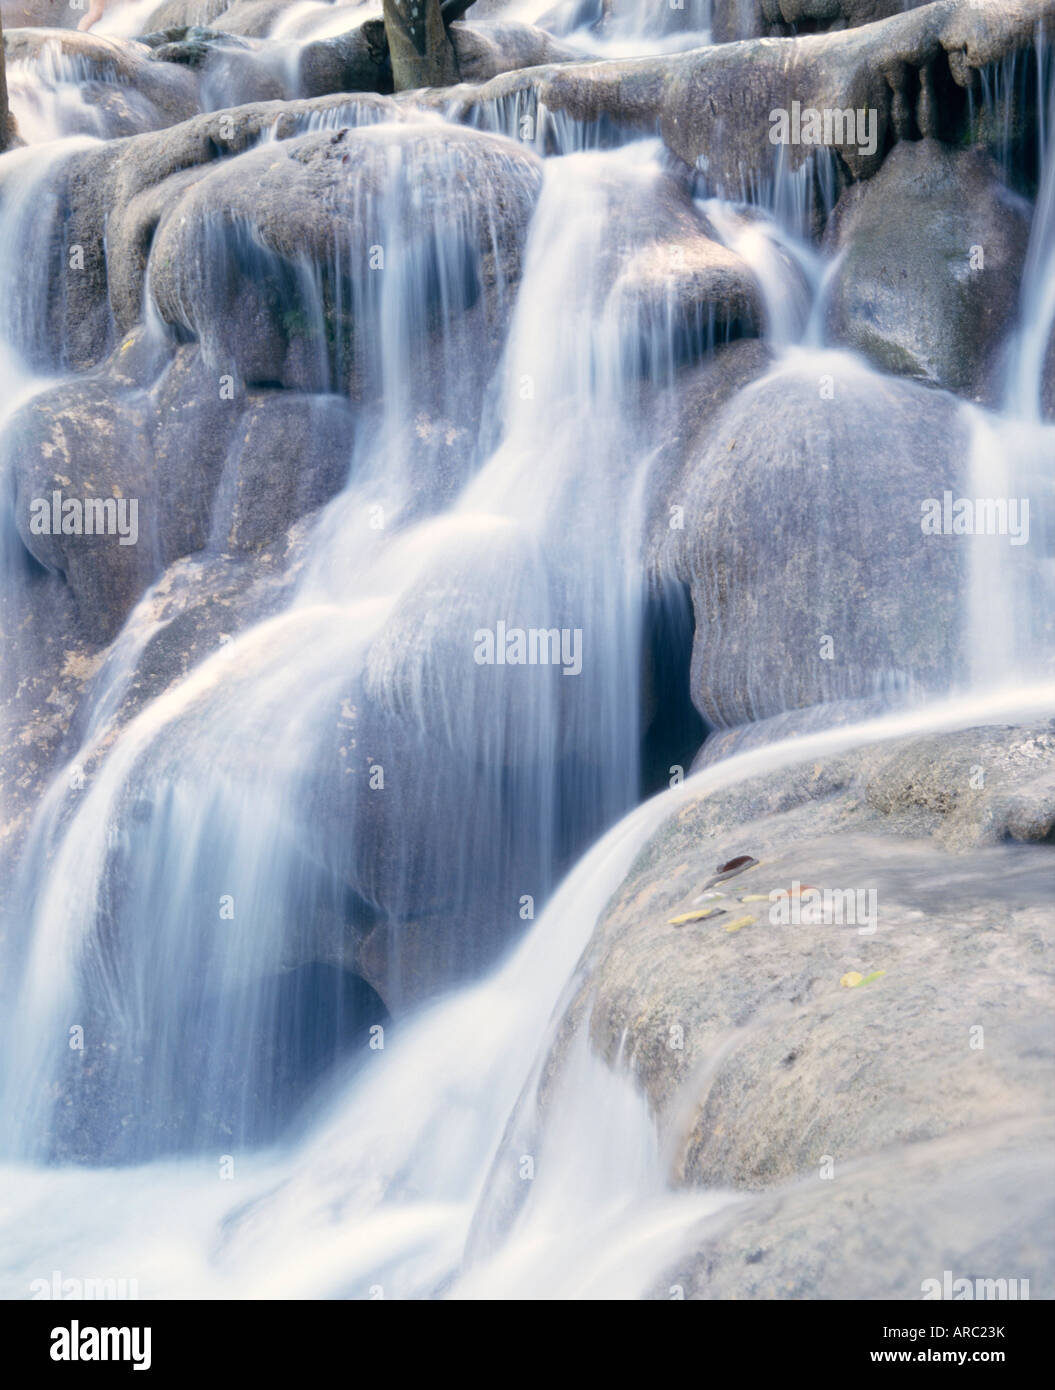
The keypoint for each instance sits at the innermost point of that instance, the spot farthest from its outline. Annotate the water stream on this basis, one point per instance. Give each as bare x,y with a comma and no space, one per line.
242,1042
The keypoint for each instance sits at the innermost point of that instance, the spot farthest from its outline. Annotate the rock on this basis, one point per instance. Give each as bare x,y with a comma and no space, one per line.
253,18
46,14
754,19
109,200
290,455
62,695
353,62
931,253
192,46
46,669
83,440
306,216
976,1204
163,93
689,296
484,50
203,467
713,105
181,14
759,1065
769,593
969,789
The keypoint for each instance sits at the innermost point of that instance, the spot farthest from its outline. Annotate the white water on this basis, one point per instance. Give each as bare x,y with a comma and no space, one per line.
383,1189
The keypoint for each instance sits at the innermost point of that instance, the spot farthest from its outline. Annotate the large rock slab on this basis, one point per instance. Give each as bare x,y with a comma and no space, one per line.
713,106
974,1206
841,1063
753,19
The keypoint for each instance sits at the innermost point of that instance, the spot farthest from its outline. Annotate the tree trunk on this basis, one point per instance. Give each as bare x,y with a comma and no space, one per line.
8,129
418,45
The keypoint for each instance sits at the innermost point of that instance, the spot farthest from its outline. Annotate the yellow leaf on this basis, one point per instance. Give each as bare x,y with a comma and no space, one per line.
852,979
700,915
740,922
755,898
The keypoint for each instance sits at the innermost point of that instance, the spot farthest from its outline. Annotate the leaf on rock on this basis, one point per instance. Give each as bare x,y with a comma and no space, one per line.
739,923
700,916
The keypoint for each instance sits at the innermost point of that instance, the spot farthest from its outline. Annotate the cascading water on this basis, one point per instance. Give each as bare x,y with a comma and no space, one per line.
339,822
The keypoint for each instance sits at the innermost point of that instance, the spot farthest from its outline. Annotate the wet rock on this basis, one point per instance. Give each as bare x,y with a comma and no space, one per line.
112,199
353,62
85,441
205,468
164,93
977,1204
191,47
691,295
791,613
181,14
760,1066
713,105
754,19
268,260
290,455
62,695
931,253
483,50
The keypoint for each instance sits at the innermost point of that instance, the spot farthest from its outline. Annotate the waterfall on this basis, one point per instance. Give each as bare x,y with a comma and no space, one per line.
324,798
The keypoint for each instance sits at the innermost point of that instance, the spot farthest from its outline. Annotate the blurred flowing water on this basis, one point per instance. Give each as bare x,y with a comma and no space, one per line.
504,792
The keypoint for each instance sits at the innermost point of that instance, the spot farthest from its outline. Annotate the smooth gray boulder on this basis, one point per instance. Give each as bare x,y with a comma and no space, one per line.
848,600
930,263
206,469
272,260
109,200
483,50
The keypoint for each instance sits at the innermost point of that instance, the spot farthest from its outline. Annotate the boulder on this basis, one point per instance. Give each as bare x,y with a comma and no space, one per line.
483,50
754,19
975,1206
181,14
930,264
108,200
162,94
821,602
273,260
781,1061
811,1055
353,62
79,441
